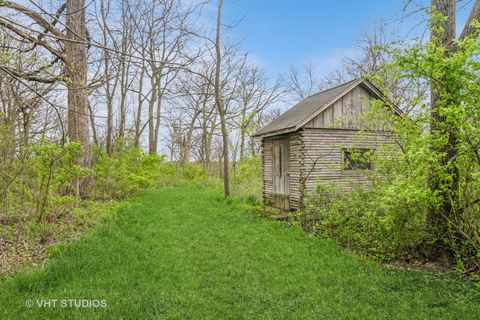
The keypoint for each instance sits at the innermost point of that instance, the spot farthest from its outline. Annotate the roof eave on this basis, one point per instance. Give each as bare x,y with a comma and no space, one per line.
380,94
370,86
274,132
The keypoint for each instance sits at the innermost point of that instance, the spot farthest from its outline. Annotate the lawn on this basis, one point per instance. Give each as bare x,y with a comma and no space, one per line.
185,253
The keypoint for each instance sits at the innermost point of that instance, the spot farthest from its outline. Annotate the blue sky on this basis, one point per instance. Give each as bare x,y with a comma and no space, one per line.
281,33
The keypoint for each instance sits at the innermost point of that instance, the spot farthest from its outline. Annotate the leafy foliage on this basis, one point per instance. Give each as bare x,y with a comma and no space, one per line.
247,180
127,171
39,202
373,220
392,216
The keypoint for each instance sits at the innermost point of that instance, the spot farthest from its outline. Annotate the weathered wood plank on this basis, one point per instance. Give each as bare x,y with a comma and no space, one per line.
344,113
325,147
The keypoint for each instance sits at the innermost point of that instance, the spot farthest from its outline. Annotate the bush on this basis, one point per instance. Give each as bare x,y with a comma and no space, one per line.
247,180
127,171
372,220
40,179
391,217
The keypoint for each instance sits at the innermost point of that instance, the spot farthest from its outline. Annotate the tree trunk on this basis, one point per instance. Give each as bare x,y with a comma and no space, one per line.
123,97
440,218
92,124
108,91
125,64
187,140
220,106
242,142
123,91
206,143
151,124
157,122
76,69
252,147
138,120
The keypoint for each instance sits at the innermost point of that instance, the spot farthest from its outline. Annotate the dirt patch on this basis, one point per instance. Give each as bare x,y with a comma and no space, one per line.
429,266
15,255
24,242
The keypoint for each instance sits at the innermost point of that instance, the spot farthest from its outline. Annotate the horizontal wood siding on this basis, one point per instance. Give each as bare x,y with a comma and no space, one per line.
316,149
267,171
296,148
325,147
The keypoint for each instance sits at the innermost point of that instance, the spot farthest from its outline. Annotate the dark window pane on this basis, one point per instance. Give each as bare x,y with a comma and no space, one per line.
357,159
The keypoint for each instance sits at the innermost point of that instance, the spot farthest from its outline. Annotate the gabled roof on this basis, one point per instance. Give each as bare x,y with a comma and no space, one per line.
297,116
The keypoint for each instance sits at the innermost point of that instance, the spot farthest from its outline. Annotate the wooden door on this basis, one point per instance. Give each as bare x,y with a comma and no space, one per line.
281,174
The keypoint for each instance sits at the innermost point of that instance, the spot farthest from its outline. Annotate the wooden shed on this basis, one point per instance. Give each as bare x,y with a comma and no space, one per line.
312,141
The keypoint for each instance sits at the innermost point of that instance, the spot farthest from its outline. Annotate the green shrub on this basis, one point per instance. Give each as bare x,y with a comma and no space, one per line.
127,171
247,180
372,220
49,173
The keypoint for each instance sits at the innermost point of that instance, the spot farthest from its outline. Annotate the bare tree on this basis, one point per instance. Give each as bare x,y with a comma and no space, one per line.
125,50
255,95
76,69
220,103
163,30
305,82
70,48
195,96
109,91
371,62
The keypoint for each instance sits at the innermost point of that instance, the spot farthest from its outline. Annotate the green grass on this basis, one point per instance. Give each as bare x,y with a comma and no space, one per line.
184,253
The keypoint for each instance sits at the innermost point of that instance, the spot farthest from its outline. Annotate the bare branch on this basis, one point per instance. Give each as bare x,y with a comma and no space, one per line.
34,16
473,16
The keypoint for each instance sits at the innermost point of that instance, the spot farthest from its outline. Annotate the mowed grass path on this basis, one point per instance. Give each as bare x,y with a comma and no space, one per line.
185,253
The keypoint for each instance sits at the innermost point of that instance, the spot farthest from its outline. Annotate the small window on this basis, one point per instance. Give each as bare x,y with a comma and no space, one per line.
357,159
